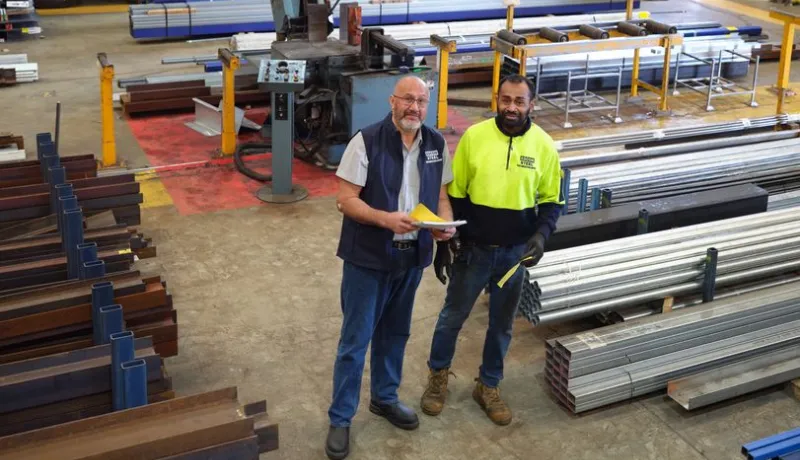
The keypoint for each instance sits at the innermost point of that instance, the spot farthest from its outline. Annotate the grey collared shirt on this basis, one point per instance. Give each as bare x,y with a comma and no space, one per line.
355,164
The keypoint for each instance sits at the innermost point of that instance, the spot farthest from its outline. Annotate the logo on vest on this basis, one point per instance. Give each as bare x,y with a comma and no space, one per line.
527,162
432,156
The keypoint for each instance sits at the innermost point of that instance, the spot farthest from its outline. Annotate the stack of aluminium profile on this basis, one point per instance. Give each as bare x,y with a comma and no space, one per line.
582,281
623,361
201,18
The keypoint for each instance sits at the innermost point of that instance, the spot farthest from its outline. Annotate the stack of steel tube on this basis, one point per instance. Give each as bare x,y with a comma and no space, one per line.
612,275
637,137
623,361
773,165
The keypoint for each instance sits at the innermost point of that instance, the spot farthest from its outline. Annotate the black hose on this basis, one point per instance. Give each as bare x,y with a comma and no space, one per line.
251,148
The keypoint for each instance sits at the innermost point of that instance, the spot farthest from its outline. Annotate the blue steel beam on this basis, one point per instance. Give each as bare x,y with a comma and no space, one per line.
111,321
121,352
102,295
135,377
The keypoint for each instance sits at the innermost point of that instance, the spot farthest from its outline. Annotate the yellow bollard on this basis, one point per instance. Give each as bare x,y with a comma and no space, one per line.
662,106
109,144
495,80
445,47
230,63
790,21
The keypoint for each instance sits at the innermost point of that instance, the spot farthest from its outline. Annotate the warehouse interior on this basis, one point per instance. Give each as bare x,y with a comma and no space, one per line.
251,285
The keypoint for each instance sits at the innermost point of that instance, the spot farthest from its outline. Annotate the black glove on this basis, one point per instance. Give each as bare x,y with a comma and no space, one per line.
534,251
443,261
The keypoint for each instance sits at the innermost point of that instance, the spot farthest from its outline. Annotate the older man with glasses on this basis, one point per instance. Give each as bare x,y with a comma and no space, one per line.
387,169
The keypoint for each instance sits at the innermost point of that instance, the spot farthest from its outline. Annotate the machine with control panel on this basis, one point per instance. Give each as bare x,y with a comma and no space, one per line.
325,89
283,79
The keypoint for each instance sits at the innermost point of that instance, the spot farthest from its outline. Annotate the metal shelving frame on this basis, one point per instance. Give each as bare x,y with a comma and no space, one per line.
715,85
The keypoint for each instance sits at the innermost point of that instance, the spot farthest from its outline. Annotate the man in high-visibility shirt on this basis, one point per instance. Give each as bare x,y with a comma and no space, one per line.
504,169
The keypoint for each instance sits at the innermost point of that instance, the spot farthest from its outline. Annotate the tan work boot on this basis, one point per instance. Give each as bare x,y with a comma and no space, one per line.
489,400
435,394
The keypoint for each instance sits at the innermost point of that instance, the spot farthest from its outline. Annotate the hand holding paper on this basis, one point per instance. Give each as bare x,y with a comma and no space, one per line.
424,218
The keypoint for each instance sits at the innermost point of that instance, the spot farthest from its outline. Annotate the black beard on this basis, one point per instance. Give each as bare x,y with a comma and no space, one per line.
512,125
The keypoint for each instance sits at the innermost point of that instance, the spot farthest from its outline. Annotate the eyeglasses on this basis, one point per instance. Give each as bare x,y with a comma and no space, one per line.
409,100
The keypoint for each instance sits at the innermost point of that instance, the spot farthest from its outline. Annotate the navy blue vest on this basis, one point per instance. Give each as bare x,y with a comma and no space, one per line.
371,246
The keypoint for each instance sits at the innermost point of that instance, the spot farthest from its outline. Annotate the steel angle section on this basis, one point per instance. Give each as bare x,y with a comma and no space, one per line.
736,379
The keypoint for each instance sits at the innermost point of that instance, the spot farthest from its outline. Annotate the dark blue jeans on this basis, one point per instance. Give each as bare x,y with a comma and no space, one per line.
473,269
376,306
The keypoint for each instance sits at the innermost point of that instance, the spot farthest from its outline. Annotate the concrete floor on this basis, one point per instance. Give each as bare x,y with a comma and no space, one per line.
257,292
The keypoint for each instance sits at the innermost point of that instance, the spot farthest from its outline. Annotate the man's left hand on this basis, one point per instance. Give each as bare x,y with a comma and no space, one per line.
443,234
534,251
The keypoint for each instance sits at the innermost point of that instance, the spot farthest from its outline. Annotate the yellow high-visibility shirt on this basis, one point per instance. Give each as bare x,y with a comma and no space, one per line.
499,181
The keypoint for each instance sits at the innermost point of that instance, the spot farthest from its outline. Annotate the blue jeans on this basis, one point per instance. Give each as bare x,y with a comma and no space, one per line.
472,270
376,306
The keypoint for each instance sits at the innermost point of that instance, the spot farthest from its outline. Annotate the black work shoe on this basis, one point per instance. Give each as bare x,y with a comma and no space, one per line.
397,414
338,444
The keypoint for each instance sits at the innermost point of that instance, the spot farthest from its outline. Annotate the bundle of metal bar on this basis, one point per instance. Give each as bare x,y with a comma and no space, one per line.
675,149
584,280
628,314
619,362
776,162
668,134
736,379
182,19
206,425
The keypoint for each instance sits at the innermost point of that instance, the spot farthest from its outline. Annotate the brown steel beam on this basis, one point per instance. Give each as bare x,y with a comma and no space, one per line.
158,430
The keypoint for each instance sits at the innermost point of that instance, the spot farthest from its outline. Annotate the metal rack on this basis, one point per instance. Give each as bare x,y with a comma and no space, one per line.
588,101
715,85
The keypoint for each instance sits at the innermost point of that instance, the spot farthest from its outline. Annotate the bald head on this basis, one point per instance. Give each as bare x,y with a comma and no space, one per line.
409,103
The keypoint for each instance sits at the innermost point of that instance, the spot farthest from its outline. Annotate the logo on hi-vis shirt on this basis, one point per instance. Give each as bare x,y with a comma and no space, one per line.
527,162
432,156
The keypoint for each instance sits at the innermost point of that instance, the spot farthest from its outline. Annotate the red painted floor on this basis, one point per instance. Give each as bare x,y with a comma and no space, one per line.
200,182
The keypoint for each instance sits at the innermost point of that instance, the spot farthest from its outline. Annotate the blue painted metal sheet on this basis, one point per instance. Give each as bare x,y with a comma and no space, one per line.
369,102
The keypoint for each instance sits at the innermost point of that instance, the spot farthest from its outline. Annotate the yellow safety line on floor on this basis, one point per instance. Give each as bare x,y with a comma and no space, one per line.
739,8
88,9
153,190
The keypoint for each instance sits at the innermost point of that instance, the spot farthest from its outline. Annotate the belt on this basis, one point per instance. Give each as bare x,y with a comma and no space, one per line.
404,244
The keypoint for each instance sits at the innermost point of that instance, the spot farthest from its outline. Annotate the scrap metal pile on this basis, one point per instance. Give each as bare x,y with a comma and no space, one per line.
623,361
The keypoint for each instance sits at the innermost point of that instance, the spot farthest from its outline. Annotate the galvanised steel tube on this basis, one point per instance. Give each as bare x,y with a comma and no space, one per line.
658,240
646,376
673,133
706,332
692,158
572,260
623,339
612,286
589,309
676,149
664,265
643,312
645,174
